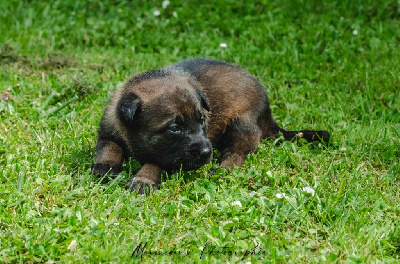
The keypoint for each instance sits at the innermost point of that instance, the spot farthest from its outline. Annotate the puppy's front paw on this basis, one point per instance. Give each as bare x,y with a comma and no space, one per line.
101,169
140,187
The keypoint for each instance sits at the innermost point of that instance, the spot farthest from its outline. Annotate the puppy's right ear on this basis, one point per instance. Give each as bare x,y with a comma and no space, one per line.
204,102
128,105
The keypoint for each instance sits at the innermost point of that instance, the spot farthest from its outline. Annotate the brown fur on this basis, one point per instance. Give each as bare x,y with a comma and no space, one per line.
142,118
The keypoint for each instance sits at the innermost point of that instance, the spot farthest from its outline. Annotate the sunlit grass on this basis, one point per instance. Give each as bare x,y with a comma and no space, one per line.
330,65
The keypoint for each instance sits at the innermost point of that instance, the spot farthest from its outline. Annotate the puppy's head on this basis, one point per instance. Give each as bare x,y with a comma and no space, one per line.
164,115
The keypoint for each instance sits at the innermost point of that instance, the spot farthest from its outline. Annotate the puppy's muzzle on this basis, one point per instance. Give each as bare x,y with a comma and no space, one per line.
205,153
200,153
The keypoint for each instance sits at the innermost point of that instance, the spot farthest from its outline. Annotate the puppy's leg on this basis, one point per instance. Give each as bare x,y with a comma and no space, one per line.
109,158
240,139
147,178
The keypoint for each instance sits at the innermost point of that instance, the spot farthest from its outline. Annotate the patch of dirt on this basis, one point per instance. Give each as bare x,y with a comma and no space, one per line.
81,86
52,61
9,55
55,61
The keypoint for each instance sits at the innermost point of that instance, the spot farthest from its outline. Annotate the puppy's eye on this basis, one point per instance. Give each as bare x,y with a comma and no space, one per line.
174,129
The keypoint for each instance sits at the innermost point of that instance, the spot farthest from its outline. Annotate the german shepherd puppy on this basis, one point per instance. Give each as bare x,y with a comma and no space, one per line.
173,117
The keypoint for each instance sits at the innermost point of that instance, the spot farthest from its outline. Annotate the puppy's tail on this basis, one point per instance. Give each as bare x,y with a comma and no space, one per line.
309,135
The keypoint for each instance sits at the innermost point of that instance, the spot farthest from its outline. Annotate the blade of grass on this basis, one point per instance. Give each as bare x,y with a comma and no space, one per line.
65,104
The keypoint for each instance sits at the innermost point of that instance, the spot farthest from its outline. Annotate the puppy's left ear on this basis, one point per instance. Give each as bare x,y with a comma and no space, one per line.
204,102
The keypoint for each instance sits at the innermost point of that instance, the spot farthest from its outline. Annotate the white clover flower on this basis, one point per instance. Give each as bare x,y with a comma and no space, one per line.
223,45
237,203
165,3
308,190
355,32
252,193
319,207
156,12
72,245
280,195
269,173
174,14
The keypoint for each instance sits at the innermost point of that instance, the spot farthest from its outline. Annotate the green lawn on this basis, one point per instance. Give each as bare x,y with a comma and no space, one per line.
331,65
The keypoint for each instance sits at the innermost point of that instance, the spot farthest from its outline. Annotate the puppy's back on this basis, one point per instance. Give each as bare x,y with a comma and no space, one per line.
222,81
232,92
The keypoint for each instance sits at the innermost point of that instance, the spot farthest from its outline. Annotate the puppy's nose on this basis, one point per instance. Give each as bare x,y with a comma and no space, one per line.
205,152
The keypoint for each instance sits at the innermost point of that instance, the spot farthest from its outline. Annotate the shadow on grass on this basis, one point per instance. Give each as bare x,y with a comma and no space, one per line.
79,162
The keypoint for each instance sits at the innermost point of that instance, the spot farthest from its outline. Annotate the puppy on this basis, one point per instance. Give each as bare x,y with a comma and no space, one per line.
173,117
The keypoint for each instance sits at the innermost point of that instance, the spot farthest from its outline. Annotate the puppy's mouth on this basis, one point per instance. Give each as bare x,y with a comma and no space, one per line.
192,163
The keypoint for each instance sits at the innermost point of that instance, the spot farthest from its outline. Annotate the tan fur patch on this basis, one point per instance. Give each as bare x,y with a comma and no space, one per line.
149,173
111,154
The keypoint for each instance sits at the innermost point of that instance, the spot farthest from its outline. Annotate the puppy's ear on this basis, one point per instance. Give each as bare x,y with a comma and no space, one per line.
203,99
204,102
128,105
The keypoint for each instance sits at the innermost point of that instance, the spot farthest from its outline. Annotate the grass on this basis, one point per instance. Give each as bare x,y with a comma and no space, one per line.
325,64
